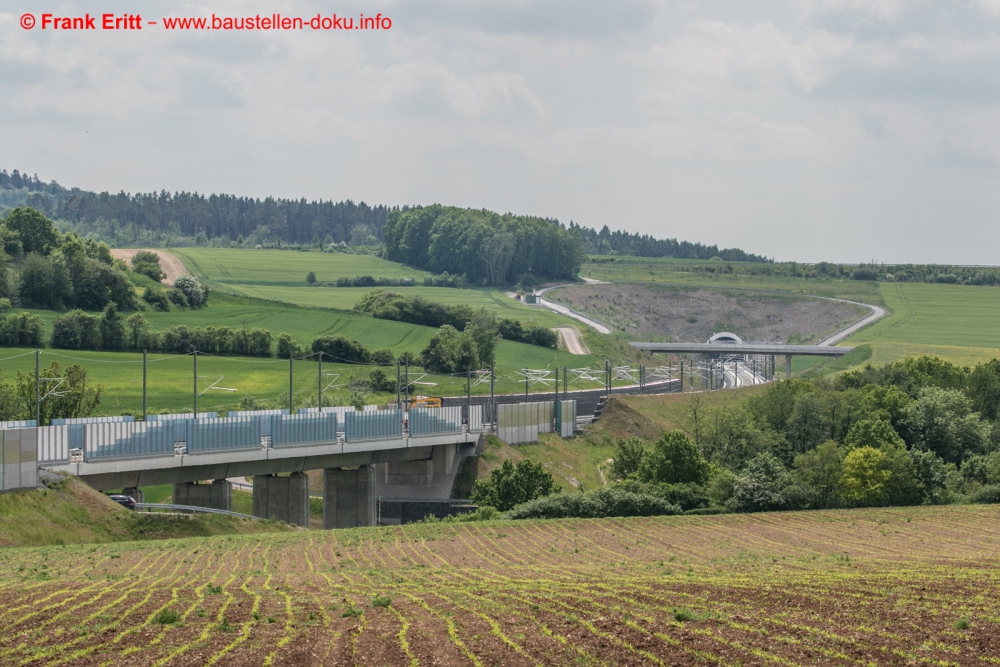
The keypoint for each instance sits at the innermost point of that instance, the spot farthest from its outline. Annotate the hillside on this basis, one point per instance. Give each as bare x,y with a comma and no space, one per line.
67,511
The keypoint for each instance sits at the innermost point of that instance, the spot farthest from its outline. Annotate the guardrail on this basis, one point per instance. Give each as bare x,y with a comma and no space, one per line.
192,508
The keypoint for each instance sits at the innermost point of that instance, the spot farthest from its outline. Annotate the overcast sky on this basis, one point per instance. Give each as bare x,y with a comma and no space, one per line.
843,130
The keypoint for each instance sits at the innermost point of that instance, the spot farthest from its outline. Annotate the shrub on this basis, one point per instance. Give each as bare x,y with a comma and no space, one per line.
338,348
178,297
157,298
987,494
382,601
596,504
510,485
194,291
288,347
148,264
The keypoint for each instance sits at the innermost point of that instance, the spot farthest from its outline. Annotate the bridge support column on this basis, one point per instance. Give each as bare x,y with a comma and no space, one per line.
788,366
135,494
282,498
217,496
349,497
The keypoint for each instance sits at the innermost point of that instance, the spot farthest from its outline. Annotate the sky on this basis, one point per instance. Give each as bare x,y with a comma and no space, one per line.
836,130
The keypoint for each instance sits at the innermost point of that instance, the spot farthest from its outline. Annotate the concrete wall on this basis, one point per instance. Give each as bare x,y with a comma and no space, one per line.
18,468
218,495
349,497
282,498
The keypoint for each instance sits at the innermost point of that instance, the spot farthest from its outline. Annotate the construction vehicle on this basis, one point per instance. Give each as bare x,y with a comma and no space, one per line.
425,402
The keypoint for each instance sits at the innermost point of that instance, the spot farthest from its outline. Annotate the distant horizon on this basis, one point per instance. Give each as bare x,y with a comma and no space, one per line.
721,245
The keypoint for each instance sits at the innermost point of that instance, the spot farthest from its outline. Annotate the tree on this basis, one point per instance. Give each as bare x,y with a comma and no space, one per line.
288,347
137,328
450,352
808,424
821,469
942,421
674,460
112,328
34,230
496,252
74,398
510,485
311,278
338,348
36,283
875,433
628,457
761,486
148,264
76,330
482,329
193,290
865,477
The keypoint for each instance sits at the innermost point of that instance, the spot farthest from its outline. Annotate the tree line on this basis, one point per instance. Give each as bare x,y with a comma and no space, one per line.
918,431
487,247
618,242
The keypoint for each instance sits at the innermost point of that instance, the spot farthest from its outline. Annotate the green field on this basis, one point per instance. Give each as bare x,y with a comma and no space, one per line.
285,267
170,385
345,297
683,272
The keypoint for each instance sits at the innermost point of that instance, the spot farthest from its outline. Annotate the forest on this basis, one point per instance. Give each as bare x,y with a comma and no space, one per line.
618,242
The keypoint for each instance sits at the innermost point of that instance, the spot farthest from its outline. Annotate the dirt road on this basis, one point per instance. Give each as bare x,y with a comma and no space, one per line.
171,265
573,340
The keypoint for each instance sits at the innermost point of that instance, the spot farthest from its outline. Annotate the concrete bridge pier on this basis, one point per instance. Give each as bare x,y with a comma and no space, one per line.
788,366
135,494
282,498
217,496
349,497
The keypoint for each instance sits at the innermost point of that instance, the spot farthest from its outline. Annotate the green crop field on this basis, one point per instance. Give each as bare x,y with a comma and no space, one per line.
960,323
683,272
285,267
898,586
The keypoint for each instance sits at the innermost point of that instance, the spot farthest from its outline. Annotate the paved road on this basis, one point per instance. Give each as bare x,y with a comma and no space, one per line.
563,310
876,313
573,340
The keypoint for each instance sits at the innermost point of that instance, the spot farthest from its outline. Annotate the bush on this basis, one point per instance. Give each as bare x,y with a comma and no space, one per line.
383,357
178,297
157,298
194,291
382,601
594,505
988,494
338,348
76,330
148,264
510,485
288,347
381,382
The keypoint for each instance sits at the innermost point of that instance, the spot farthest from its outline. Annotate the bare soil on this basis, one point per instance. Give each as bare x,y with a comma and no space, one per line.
693,315
171,264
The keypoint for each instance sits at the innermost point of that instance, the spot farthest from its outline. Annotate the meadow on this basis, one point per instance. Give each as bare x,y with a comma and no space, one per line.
170,378
881,586
344,298
285,267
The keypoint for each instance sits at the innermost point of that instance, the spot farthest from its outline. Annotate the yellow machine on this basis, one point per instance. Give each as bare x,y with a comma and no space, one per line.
425,402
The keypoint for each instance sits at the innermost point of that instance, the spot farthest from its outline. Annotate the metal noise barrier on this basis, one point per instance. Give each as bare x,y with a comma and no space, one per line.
256,413
373,424
24,423
188,415
425,421
476,420
229,433
305,428
92,420
18,469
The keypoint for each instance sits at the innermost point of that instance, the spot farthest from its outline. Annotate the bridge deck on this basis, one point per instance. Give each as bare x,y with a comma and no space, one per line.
746,348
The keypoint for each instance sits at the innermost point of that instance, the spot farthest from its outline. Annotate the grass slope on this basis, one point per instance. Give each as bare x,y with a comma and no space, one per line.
70,512
284,267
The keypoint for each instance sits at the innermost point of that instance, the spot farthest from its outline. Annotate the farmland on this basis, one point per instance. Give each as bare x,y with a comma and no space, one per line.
900,586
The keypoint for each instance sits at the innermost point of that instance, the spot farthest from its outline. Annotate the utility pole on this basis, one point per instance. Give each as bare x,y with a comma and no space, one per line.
398,405
493,407
407,357
557,384
38,388
682,376
320,385
565,385
144,385
291,357
525,385
196,383
468,389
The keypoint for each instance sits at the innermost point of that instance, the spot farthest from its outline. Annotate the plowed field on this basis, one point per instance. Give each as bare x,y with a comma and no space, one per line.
869,587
